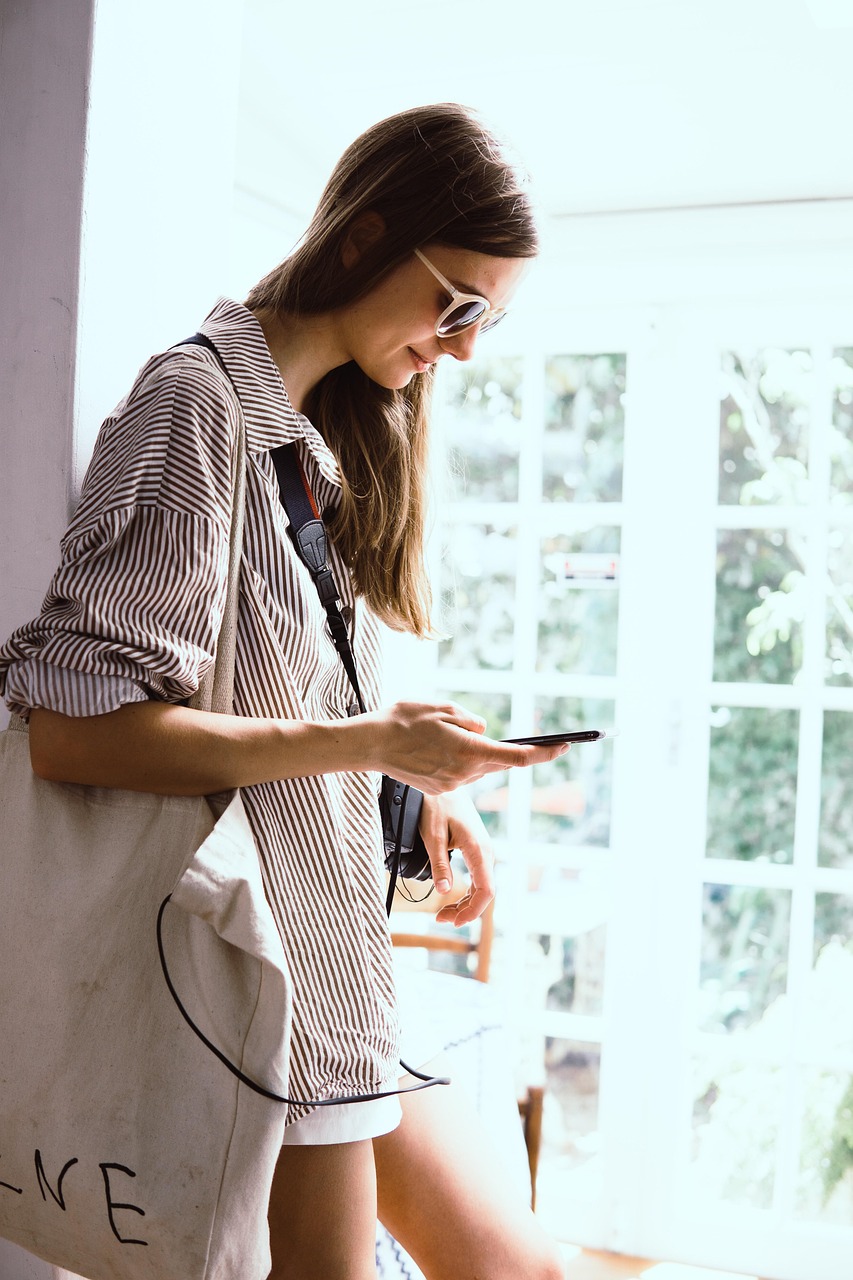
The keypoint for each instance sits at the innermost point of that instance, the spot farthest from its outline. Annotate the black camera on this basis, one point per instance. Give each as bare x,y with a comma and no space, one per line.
400,807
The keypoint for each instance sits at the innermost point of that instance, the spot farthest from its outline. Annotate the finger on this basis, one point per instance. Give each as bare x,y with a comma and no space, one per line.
481,890
442,872
480,861
433,828
464,718
505,755
467,909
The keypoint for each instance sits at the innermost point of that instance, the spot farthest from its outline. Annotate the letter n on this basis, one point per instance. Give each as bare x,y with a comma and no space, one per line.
43,1182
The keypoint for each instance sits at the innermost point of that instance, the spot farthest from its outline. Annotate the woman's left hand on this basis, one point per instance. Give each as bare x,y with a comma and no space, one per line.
450,821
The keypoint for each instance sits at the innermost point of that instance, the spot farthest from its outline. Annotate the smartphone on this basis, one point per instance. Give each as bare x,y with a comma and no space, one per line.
550,739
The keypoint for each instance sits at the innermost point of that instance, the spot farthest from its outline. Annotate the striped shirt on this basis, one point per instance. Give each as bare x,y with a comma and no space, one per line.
133,612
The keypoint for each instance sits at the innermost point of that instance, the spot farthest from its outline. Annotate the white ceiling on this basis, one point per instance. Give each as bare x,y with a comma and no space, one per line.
614,104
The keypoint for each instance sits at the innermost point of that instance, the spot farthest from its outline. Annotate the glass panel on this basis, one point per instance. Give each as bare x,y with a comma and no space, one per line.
841,439
826,1025
491,793
571,797
569,1159
760,606
584,428
737,1113
566,912
480,416
764,419
825,1188
839,620
478,575
744,960
836,805
752,784
833,928
579,602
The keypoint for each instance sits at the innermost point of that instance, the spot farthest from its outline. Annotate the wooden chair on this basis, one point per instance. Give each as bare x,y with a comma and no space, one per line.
530,1105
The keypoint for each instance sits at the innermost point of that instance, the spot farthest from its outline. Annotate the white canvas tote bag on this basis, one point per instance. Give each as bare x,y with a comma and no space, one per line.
127,1150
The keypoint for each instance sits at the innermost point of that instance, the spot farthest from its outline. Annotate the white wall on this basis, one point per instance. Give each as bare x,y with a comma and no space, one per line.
114,242
159,188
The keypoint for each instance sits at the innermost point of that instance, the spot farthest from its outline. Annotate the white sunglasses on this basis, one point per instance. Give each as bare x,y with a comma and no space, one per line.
465,308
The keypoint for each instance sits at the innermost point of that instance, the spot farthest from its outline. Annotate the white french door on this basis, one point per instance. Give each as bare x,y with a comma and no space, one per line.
650,527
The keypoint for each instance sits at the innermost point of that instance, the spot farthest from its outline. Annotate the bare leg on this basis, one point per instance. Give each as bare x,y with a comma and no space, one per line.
322,1213
442,1195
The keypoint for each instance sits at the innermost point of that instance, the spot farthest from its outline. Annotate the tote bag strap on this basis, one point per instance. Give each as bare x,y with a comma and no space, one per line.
216,691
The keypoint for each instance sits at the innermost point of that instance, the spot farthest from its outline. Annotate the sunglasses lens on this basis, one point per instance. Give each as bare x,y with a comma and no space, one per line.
491,321
461,317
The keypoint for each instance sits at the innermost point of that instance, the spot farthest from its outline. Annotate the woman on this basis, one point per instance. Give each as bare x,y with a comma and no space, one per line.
418,244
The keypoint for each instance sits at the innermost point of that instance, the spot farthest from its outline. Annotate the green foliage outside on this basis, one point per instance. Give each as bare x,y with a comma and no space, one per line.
741,1092
763,589
752,784
584,428
481,417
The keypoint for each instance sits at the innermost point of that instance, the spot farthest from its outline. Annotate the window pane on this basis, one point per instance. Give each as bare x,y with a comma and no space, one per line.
490,794
825,1188
744,961
737,1113
752,784
579,602
836,806
760,606
842,424
839,620
566,910
479,407
764,418
571,798
833,928
569,1160
478,577
584,428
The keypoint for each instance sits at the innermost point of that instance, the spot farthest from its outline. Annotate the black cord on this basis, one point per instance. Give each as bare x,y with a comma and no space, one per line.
428,1081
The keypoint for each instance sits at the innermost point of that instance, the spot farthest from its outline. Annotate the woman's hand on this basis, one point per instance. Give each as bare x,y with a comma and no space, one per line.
439,747
451,822
174,750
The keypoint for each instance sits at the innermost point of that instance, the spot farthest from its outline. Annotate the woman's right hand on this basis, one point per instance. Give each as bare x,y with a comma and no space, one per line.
438,747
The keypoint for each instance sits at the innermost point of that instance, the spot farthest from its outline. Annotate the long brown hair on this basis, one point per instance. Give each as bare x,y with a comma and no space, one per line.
432,173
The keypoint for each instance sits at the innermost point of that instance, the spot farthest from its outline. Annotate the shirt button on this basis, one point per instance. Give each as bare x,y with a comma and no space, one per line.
353,709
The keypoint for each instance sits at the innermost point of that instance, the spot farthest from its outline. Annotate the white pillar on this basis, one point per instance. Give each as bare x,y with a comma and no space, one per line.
44,79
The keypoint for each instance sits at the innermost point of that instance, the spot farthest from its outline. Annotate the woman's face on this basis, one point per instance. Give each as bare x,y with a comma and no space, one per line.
390,332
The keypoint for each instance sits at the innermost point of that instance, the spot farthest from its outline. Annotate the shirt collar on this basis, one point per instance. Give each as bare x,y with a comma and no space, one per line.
270,418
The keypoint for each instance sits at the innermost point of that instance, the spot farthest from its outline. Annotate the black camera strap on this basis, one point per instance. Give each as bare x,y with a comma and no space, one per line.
400,805
308,534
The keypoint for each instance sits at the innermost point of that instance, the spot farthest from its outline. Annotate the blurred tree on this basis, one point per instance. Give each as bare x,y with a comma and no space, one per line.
584,428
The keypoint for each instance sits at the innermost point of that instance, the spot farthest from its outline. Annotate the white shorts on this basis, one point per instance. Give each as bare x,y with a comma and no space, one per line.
424,1037
348,1123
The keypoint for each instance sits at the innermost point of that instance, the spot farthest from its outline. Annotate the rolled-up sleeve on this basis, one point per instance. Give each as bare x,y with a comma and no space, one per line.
134,609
